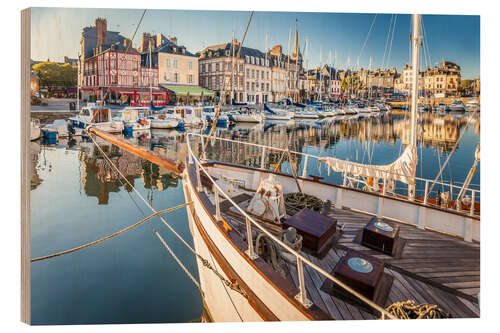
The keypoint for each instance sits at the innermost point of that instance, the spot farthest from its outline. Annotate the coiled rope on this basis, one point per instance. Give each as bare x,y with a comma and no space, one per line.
410,310
297,201
81,247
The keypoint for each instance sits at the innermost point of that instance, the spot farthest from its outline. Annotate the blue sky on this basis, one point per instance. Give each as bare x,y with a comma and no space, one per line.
56,32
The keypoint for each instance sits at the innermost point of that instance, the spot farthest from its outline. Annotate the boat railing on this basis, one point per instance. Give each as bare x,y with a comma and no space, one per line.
249,222
453,189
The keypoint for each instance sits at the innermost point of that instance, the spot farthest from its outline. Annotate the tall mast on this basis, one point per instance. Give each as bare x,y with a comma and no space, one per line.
370,86
415,71
150,73
320,72
265,65
78,84
330,76
288,64
232,69
306,67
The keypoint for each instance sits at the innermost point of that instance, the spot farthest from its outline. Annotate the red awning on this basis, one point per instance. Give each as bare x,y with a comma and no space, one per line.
132,91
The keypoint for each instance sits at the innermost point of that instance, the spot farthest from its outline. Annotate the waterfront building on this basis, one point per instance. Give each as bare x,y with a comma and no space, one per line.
322,81
382,81
476,86
260,77
285,72
108,60
177,68
444,80
215,64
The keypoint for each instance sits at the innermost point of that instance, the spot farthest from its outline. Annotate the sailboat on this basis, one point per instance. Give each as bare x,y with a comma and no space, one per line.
346,257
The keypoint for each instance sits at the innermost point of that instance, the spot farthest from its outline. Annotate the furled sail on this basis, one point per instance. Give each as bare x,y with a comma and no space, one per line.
402,169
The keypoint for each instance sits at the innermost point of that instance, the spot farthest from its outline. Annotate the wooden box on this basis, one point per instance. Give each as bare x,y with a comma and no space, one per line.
381,235
315,228
366,283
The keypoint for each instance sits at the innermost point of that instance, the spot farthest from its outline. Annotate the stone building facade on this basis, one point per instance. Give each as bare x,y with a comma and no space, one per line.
444,79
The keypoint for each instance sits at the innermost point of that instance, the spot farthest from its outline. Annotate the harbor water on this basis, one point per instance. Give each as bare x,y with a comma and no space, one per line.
76,197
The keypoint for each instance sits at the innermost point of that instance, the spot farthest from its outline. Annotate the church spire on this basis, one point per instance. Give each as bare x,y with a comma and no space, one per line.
296,48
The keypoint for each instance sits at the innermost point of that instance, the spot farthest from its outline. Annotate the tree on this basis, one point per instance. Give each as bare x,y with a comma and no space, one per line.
54,76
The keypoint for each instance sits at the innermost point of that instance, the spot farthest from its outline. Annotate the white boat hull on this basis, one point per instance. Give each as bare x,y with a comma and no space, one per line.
35,133
164,123
244,118
224,304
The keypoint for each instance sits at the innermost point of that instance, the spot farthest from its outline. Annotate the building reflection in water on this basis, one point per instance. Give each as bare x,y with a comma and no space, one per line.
440,132
99,178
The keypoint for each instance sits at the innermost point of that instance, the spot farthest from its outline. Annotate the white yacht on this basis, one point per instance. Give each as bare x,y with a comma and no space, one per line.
100,118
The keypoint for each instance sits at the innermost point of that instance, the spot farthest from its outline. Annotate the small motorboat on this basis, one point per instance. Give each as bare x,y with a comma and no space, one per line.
472,105
457,106
163,121
246,115
277,113
100,118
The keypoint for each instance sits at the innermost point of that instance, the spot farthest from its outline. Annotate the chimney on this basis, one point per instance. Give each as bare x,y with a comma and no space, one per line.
173,40
126,43
277,50
146,36
101,27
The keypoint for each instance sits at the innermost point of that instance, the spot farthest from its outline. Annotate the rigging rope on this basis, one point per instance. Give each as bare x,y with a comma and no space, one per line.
219,110
366,39
451,152
231,284
197,284
387,41
109,86
112,235
392,39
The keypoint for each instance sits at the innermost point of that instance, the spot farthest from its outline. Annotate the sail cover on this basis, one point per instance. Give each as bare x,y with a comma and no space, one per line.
402,169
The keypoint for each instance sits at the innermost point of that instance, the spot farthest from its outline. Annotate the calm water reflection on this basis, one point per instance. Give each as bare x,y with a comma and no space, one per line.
76,197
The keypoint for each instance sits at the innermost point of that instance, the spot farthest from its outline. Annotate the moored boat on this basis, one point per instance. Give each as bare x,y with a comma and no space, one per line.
100,117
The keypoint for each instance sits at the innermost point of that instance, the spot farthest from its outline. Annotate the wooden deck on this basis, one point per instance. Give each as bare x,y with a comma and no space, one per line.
432,268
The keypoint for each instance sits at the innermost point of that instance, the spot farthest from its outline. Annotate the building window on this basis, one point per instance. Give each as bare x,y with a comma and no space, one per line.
168,63
190,65
190,79
248,86
217,67
176,76
241,68
248,72
175,63
209,67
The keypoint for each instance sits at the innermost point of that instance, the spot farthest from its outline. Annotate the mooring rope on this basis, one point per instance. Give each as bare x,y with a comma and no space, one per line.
140,196
230,284
197,284
112,235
